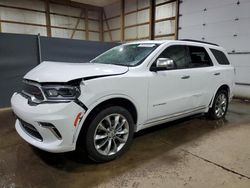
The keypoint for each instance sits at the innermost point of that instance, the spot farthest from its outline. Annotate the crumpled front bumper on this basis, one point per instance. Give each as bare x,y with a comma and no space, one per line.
63,116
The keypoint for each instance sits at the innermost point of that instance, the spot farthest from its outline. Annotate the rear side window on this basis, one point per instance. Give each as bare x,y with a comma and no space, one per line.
220,57
198,57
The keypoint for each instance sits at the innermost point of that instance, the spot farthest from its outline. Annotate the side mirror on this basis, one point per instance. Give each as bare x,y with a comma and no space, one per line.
163,64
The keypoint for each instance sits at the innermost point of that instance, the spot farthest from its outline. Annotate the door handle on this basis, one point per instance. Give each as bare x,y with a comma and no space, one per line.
217,73
185,77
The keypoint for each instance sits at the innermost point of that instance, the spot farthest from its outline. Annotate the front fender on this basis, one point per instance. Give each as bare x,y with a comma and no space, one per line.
99,101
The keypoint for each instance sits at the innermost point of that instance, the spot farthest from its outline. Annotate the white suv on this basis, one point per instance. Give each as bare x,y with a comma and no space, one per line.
96,107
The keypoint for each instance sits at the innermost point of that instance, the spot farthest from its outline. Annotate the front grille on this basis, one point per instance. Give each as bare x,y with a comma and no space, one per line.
31,130
32,90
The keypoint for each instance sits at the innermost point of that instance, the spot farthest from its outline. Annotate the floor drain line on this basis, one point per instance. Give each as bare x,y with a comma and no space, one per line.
206,160
224,168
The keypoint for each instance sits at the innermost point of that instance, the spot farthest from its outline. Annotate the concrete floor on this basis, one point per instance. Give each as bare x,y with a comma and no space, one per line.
192,152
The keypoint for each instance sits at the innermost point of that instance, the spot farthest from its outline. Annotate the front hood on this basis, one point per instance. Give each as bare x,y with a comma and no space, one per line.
49,71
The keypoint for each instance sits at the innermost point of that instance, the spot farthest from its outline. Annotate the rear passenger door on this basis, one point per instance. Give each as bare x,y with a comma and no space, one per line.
201,76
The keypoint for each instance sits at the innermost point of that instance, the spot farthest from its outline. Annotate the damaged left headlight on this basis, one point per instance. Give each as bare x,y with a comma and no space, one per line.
61,92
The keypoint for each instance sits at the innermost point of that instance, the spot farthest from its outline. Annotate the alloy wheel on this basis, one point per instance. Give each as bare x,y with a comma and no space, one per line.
111,134
221,105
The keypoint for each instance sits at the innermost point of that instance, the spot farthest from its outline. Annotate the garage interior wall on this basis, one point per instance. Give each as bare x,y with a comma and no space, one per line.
132,21
225,22
50,19
121,21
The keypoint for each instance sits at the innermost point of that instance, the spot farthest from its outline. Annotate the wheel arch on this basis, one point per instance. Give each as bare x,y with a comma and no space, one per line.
122,101
222,87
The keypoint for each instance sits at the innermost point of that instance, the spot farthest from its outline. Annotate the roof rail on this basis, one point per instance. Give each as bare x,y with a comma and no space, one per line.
190,40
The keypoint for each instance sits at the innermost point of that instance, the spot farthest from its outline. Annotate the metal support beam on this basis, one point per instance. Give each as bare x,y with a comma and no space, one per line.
86,24
107,24
122,19
47,13
0,25
152,20
177,19
77,23
101,25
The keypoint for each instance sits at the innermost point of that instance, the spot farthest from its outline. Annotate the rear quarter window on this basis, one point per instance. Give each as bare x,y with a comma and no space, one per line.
220,57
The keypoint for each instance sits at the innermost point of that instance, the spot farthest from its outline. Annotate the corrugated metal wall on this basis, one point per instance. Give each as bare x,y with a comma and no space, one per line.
225,22
20,53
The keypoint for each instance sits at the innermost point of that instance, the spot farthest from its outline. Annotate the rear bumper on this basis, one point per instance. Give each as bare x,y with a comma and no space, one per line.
61,115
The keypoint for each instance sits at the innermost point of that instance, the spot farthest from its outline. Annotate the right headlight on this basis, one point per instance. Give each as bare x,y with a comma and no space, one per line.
61,92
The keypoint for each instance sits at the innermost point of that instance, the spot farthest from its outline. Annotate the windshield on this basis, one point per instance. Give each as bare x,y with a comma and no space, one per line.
126,55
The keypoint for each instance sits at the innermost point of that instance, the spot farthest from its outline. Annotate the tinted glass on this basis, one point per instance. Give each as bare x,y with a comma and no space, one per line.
126,55
220,57
198,57
178,54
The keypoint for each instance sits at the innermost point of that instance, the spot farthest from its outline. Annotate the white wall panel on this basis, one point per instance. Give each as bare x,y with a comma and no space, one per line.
192,6
241,62
165,11
191,20
143,3
63,21
65,10
130,5
24,29
93,25
224,13
166,27
22,16
221,28
166,38
113,23
105,26
79,35
93,14
94,36
38,5
130,19
11,14
106,37
160,1
130,33
61,33
242,91
116,35
143,31
143,16
113,9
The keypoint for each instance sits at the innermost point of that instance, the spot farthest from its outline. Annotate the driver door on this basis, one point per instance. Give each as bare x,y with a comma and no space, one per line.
169,90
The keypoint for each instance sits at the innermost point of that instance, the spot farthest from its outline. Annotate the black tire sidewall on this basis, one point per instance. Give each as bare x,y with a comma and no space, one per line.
89,141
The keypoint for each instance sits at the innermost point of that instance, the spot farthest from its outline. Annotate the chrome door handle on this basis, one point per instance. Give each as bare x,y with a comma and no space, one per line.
217,73
185,77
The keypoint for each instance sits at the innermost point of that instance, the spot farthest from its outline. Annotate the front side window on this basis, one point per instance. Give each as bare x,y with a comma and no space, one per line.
178,54
198,57
126,55
220,57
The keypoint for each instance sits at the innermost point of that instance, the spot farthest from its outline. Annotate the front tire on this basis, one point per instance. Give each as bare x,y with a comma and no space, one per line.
109,134
220,105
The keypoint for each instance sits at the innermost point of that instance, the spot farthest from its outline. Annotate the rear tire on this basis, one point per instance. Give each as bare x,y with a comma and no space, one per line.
109,134
220,105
